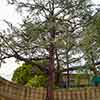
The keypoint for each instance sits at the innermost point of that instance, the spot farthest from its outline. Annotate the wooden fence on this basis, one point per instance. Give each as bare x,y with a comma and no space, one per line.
11,91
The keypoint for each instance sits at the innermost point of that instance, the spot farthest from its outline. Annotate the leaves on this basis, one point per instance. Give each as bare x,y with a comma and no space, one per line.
30,75
22,74
37,81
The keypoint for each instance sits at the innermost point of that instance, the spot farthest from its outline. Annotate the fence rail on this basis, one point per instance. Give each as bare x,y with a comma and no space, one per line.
11,91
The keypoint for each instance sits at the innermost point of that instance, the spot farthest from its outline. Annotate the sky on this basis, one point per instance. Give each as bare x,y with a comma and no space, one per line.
7,12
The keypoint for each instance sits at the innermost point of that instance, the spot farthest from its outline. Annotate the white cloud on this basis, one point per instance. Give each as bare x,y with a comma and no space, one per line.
96,1
8,68
8,12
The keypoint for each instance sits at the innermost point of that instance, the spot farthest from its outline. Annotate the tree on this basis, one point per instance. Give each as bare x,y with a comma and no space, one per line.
26,75
90,43
56,18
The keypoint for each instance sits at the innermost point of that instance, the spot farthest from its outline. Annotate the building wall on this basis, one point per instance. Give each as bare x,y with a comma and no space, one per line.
77,79
11,91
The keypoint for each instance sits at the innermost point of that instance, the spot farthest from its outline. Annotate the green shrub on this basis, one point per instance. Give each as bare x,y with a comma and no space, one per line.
37,81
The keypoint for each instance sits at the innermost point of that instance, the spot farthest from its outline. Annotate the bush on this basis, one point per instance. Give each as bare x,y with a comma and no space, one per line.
37,81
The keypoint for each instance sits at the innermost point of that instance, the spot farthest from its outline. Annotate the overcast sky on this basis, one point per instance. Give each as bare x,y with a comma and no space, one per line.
7,12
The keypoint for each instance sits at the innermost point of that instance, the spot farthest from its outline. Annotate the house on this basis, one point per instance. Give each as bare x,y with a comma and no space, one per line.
75,80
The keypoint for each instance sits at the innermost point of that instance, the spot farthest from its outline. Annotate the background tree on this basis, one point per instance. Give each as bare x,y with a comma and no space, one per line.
90,43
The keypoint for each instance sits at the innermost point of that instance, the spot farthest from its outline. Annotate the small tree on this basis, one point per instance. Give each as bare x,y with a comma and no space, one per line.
26,75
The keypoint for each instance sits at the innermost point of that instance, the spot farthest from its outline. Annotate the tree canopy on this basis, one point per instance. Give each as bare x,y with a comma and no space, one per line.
31,42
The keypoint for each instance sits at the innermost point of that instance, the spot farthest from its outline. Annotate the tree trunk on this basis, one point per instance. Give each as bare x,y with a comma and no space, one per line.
57,76
68,76
93,65
68,73
51,69
51,74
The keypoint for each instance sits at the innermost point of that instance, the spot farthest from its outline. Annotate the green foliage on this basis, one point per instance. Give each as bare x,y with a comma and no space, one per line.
32,30
90,43
22,74
30,75
37,81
